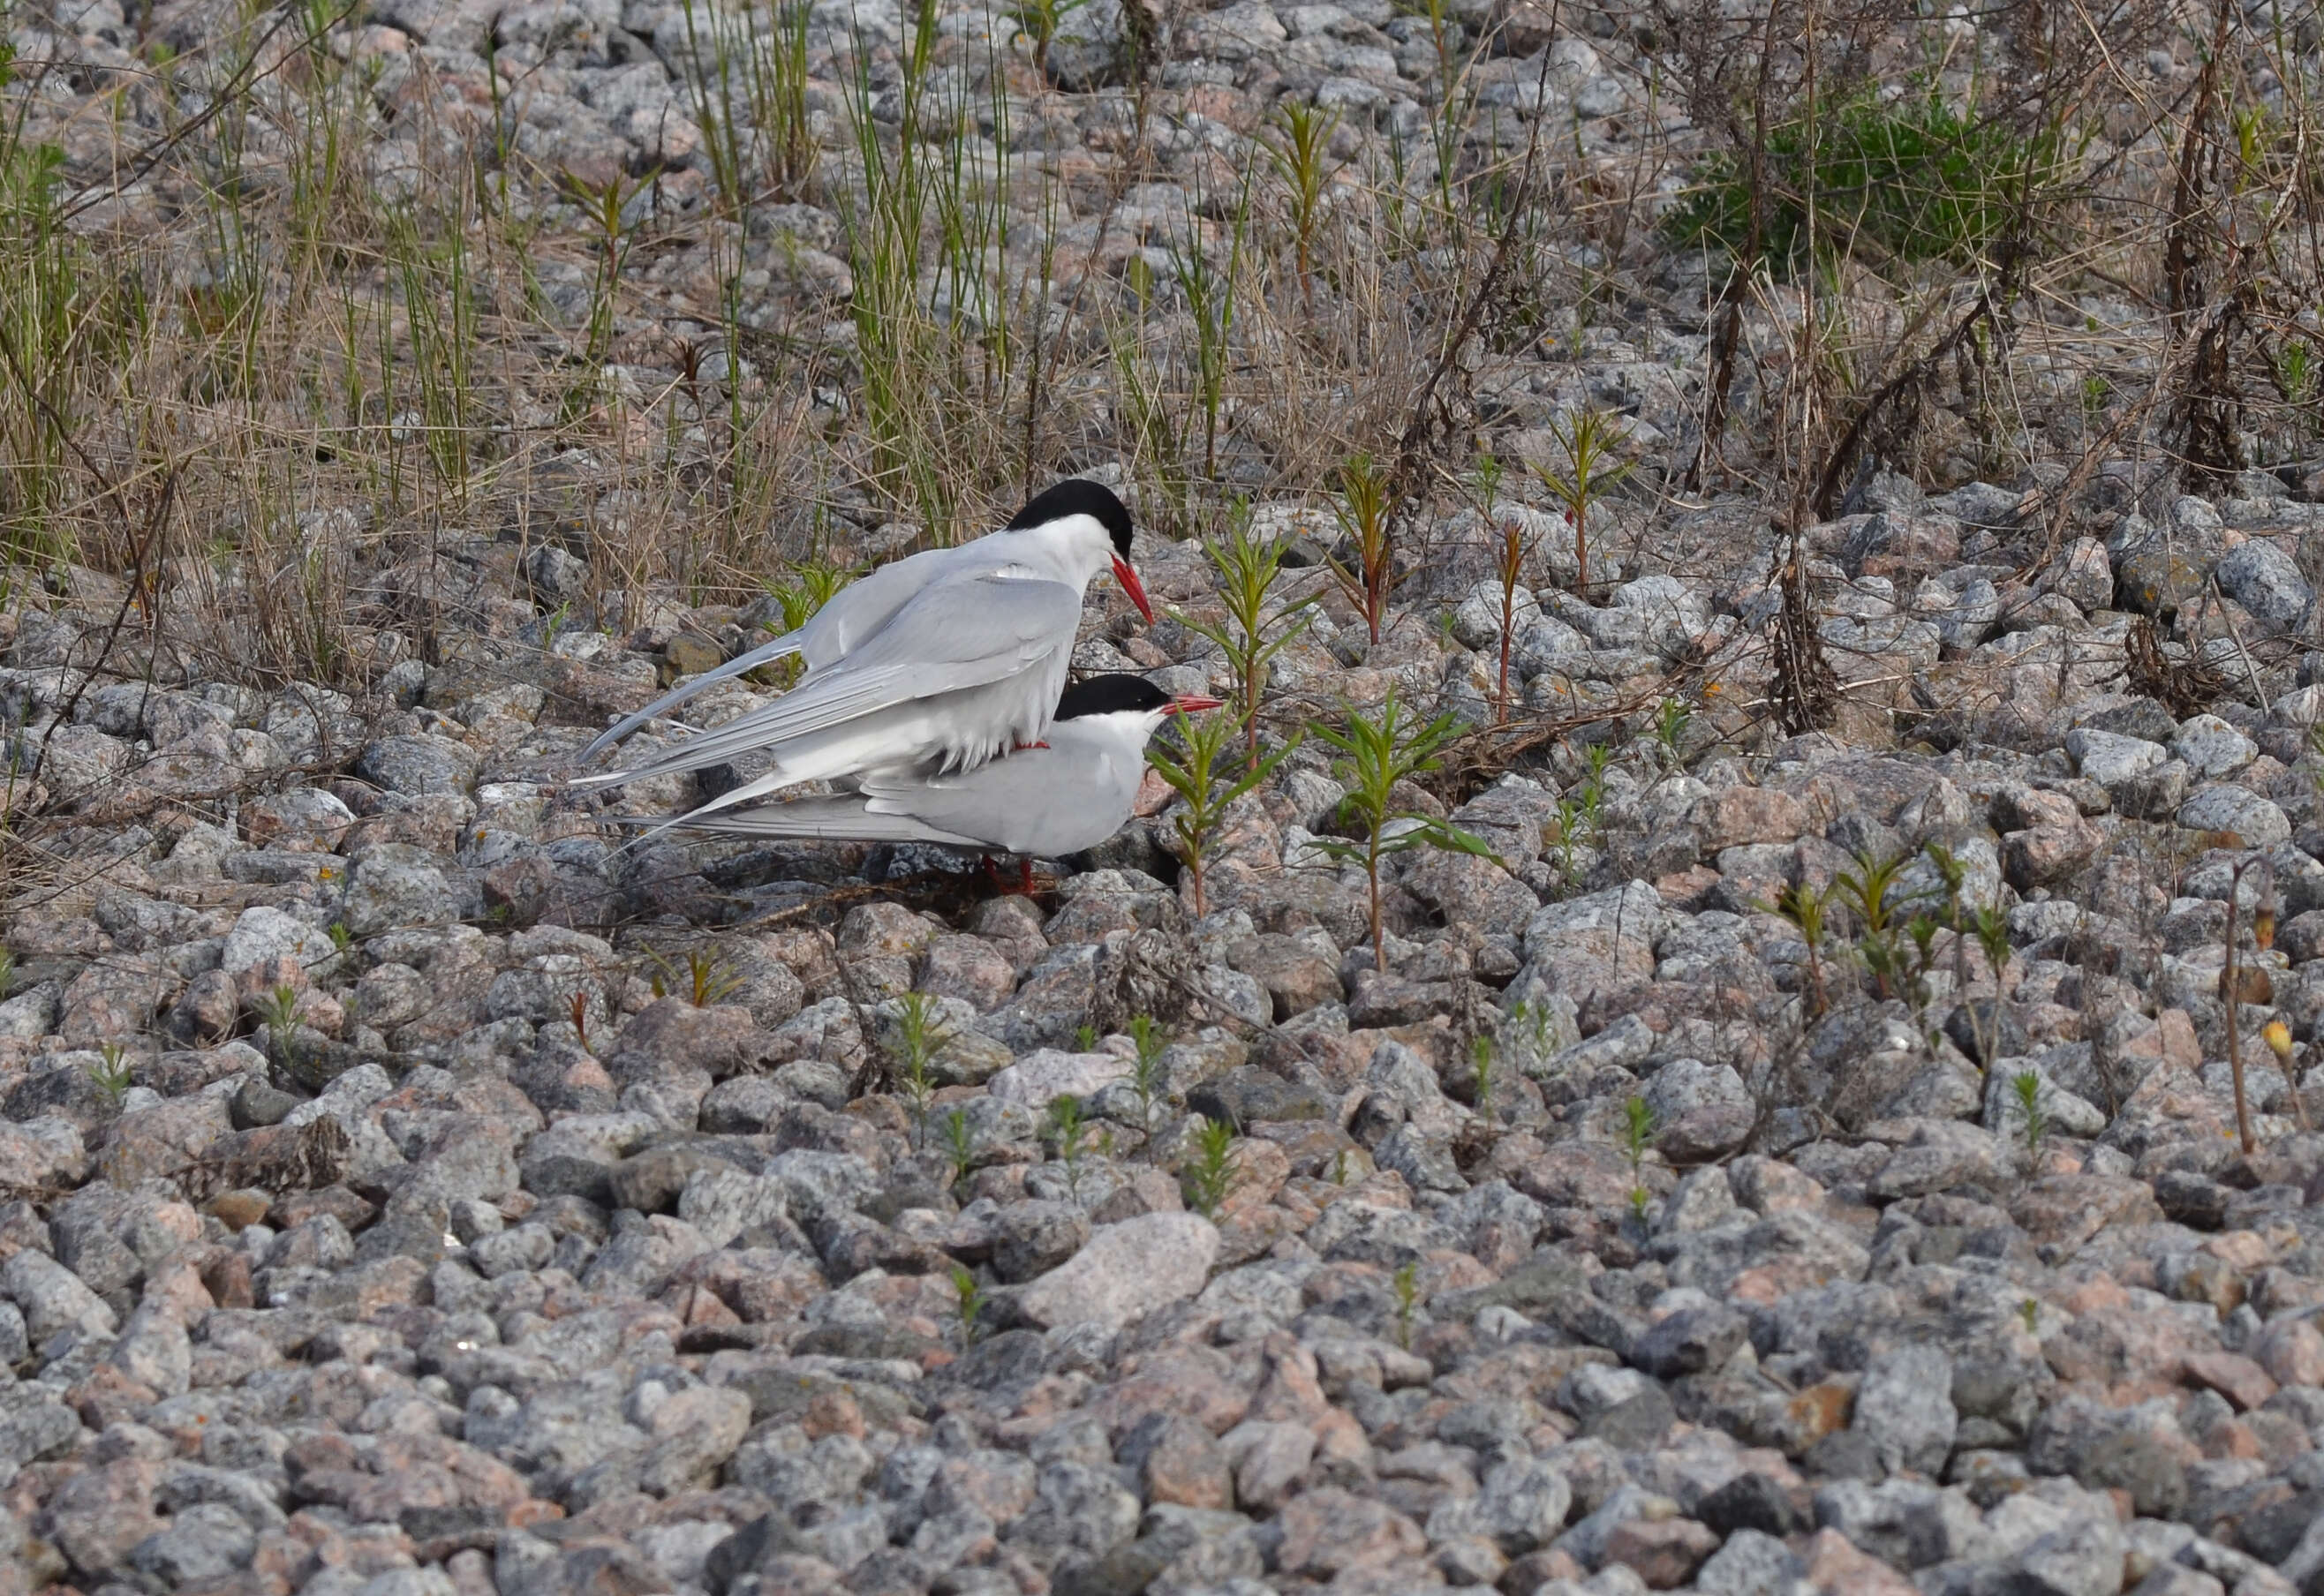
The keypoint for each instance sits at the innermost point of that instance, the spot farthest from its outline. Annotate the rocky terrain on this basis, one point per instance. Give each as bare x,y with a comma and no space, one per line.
375,1226
1812,1153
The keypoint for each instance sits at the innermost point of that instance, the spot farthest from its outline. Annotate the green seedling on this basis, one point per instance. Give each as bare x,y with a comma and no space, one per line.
703,976
1065,1129
1671,721
1037,21
1407,1285
1637,1133
960,1145
1366,514
2030,1313
1340,1168
1480,1071
111,1075
1208,780
1586,439
1301,155
1208,1174
917,1040
1376,753
1255,629
2028,1084
278,1011
1145,1073
968,1299
1085,1038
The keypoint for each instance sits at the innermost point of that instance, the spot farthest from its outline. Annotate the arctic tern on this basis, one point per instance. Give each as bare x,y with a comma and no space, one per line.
944,660
1072,793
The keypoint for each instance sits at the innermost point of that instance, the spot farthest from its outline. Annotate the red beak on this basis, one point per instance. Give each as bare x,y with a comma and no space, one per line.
1126,574
1187,703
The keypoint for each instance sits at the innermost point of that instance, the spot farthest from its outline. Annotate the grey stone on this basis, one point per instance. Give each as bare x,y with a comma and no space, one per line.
1751,1563
1904,1407
1125,1271
2256,821
2265,579
1689,1341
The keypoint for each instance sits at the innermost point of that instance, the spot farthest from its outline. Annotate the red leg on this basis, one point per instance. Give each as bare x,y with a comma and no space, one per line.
1025,877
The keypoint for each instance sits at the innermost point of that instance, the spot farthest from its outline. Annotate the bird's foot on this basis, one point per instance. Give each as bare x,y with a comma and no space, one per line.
1021,748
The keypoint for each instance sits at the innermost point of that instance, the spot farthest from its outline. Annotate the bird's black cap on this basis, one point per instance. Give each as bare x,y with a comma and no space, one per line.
1110,694
1077,496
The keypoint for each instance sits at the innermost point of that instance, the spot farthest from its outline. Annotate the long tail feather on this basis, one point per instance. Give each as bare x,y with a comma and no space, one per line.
829,819
782,648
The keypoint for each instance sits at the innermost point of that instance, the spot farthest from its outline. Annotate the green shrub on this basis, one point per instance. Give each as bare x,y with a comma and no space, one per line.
1917,178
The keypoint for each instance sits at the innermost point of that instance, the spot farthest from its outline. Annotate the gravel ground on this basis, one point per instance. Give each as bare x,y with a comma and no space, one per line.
376,1228
410,1190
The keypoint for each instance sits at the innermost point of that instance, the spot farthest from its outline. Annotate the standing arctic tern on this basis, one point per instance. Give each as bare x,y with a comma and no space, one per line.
945,659
1073,793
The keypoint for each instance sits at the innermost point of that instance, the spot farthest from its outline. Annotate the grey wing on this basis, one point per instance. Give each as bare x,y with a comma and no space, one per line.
853,613
954,636
859,610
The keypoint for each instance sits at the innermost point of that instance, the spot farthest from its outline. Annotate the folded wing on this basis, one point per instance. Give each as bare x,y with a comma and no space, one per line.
956,636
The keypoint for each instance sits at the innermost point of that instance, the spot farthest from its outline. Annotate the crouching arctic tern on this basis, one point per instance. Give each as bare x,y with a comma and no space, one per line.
943,660
1073,793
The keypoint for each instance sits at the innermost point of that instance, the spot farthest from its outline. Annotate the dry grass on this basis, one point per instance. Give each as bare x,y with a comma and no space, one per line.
277,366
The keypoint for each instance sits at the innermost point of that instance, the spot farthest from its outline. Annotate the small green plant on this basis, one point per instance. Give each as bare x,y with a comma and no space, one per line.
1874,891
1209,291
1637,1141
1875,895
1533,1025
2295,370
1586,439
278,1011
110,1075
1406,1285
1037,21
1207,779
1301,156
1065,1129
1366,515
342,939
960,1145
1803,905
1376,753
1085,1038
917,1036
1208,1174
2036,1124
703,976
1255,627
1637,1133
968,1300
1145,1075
1671,721
1480,1072
1340,1168
2030,1313
810,585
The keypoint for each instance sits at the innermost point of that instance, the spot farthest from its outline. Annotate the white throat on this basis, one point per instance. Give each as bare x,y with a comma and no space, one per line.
1078,545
